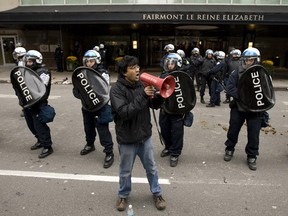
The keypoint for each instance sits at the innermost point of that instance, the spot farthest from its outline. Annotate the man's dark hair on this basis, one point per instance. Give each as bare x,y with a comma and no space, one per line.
126,62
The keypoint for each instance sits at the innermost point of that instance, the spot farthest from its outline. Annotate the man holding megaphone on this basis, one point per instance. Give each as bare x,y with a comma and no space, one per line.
130,101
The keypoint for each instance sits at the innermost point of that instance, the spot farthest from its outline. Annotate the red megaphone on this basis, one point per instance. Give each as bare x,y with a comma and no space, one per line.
166,86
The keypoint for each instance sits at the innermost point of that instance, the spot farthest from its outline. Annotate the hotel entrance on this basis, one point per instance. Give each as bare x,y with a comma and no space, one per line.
156,46
156,49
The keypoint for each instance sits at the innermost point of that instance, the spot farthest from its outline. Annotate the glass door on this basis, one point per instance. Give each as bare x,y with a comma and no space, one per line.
7,48
156,49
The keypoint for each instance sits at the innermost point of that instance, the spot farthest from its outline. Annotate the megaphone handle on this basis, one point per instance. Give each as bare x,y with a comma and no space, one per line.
151,96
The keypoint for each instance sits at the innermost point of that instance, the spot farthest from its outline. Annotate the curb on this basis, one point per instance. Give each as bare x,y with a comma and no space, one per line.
280,88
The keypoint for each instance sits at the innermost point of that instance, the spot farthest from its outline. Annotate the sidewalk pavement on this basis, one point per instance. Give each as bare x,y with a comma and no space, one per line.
280,77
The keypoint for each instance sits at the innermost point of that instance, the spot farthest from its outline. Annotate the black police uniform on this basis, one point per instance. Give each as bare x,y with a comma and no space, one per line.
207,65
90,121
238,117
195,64
232,64
216,76
39,129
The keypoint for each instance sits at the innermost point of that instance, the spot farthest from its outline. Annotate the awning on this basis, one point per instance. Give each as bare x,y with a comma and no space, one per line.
157,14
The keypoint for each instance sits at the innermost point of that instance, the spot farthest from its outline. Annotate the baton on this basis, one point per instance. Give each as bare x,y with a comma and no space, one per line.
214,78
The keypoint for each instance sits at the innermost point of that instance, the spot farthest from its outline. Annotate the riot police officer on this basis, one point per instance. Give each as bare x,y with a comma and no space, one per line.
103,54
171,125
33,60
238,116
169,48
216,75
232,61
91,119
185,61
196,60
18,55
208,63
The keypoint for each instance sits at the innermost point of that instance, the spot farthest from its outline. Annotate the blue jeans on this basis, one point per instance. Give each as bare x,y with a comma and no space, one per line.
128,154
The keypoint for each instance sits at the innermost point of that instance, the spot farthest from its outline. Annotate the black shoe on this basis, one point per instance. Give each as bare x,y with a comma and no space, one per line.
173,161
202,100
210,105
87,149
165,153
228,155
45,152
251,161
37,145
217,104
108,160
227,101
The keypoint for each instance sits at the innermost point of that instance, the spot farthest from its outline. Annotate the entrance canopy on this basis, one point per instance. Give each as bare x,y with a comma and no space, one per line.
154,14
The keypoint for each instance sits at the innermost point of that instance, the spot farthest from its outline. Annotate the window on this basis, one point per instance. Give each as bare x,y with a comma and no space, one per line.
248,2
219,1
194,1
98,1
53,2
31,2
76,1
268,1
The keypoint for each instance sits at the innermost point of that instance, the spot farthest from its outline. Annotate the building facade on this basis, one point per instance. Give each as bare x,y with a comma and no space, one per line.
142,28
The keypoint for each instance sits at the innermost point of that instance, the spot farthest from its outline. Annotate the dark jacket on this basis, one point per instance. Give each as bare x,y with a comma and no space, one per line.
207,65
218,71
131,112
185,65
231,86
195,63
58,54
232,64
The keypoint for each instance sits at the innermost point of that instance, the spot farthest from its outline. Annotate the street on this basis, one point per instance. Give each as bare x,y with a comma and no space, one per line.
68,184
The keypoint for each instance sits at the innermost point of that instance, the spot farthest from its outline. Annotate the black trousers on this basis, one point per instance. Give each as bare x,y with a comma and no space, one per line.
203,81
59,63
237,120
90,125
40,130
172,130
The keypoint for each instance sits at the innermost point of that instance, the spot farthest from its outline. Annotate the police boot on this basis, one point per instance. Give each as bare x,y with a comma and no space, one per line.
210,105
202,100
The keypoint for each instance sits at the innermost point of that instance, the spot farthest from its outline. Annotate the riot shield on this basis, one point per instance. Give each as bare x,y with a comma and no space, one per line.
28,85
92,87
183,98
255,90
